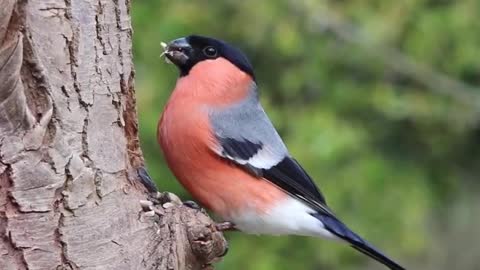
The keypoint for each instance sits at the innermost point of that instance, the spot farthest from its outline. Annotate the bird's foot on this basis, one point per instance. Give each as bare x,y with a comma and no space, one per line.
192,204
225,226
165,199
157,202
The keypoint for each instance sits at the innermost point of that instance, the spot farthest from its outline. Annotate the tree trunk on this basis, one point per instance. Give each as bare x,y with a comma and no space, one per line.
69,150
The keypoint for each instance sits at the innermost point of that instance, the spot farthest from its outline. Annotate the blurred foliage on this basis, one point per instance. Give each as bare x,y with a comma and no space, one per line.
377,99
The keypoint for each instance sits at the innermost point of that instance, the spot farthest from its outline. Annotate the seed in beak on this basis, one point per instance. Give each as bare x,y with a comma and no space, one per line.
165,51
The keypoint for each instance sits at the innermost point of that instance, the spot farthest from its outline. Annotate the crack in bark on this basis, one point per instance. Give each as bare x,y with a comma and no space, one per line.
11,208
66,264
117,103
63,88
58,234
173,252
118,14
85,139
127,89
97,180
128,4
72,45
59,208
99,27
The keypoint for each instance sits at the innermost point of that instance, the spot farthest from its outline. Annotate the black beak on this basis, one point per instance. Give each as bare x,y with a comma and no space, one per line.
178,51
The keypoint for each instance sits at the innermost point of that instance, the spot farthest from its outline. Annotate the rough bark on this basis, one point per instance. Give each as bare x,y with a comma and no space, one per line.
69,147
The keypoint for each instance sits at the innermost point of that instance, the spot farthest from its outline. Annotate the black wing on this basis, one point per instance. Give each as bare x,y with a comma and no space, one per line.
286,173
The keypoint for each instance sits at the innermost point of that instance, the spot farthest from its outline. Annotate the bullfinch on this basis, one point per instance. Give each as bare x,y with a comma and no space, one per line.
220,144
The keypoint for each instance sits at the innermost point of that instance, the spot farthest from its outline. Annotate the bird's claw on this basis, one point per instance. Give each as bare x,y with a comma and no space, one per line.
147,205
168,197
155,198
192,204
225,226
225,252
164,199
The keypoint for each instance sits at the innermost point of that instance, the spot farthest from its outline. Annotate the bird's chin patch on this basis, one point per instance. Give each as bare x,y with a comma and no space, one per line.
176,57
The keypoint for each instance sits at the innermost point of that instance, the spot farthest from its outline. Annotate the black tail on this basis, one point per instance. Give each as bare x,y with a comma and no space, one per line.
339,229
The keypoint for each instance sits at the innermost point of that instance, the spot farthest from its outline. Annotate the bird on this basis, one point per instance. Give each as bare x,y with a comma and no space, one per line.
222,147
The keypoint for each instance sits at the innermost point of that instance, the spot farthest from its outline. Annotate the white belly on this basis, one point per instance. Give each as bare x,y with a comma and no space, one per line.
288,217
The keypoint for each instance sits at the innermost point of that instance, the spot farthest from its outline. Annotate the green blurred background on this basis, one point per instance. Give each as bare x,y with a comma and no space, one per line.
379,101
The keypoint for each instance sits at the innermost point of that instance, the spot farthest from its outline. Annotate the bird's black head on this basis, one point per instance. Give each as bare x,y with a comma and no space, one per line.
186,52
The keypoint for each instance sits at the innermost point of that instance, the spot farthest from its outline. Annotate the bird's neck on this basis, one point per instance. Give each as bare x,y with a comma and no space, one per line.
215,82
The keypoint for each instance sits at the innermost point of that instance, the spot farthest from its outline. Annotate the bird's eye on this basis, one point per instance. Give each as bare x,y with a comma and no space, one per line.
210,51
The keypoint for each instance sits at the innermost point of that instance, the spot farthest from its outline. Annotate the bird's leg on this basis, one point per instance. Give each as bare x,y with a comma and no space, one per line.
146,180
225,226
